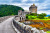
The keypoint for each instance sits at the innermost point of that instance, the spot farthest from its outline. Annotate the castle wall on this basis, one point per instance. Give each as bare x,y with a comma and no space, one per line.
33,9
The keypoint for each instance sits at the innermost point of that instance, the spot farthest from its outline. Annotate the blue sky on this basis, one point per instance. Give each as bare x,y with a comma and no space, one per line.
43,5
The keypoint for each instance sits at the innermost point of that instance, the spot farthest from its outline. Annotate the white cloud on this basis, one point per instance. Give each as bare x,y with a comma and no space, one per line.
16,4
34,0
26,6
24,0
42,6
47,12
21,5
29,0
10,1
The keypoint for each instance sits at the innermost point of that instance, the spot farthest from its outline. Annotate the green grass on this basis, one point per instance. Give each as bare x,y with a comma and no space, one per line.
48,31
41,28
35,18
41,19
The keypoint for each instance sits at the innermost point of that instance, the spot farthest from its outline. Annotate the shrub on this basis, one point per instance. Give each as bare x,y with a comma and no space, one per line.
49,17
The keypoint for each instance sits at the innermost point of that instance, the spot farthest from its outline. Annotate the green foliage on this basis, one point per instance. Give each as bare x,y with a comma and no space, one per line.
44,14
48,31
49,17
41,28
30,17
33,17
33,14
41,16
6,10
27,16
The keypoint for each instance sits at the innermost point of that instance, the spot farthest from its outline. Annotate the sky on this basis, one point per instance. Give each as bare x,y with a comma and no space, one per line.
43,6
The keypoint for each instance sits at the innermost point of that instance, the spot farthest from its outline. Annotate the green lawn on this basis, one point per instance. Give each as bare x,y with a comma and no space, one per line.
48,31
35,18
41,19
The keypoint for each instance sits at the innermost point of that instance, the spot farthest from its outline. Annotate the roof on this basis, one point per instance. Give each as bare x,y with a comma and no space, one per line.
33,6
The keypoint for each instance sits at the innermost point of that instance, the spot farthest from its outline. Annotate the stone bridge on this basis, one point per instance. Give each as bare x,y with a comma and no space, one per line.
11,26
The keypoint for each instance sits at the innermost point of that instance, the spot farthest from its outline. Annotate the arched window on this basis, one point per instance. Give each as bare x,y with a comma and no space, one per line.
20,18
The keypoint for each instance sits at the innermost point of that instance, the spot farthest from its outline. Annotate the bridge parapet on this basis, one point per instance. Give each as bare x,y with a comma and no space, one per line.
4,18
26,28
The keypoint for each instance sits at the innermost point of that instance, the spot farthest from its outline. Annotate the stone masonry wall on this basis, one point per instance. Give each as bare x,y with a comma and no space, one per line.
4,18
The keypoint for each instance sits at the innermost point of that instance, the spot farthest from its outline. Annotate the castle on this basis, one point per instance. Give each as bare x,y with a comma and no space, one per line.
22,14
33,8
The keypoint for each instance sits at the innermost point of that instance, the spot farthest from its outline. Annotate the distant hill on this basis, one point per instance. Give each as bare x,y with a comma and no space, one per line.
6,10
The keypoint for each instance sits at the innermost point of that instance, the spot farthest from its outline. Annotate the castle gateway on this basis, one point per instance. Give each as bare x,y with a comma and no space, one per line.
33,8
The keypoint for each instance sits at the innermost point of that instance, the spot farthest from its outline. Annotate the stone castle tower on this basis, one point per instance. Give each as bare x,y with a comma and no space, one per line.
33,8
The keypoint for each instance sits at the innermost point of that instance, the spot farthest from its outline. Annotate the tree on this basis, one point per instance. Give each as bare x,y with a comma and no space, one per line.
41,16
49,17
44,14
6,10
27,16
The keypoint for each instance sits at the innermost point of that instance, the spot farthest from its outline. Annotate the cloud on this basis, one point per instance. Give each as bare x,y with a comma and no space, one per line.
5,1
16,4
34,0
29,0
23,5
42,5
47,12
24,0
16,1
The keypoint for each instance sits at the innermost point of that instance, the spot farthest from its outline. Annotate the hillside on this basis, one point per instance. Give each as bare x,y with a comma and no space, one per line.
7,10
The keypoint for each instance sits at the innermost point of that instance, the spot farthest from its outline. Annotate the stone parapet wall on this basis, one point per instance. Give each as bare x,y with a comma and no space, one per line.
4,18
26,28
